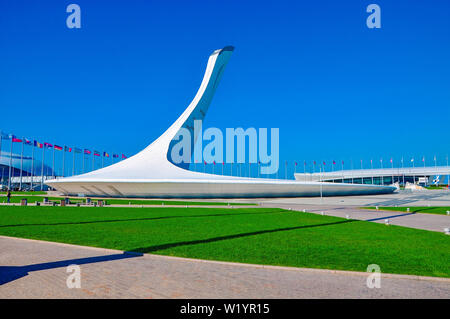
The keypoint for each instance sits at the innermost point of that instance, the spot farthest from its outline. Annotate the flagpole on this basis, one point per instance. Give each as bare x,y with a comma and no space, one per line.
392,165
73,162
285,170
371,167
53,162
10,164
83,161
21,166
351,166
93,159
42,168
64,161
32,166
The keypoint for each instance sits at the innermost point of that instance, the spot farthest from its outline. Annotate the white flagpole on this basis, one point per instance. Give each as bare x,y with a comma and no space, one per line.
10,163
53,162
392,166
64,161
21,166
403,173
371,167
382,176
32,166
73,162
83,160
42,168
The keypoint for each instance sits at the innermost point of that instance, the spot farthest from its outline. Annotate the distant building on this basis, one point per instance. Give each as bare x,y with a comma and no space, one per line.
29,167
382,176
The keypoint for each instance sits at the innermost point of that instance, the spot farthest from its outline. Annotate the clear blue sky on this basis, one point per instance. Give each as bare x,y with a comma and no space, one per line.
336,89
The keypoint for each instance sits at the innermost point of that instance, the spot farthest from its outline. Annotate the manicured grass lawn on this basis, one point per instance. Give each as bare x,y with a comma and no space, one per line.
252,235
40,198
441,210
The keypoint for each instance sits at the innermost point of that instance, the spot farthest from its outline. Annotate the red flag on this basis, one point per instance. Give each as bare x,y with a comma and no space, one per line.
16,140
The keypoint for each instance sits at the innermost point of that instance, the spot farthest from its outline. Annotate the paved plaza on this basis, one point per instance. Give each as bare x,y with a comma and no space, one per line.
38,269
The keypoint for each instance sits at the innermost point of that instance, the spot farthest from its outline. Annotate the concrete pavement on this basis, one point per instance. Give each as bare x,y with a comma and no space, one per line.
37,269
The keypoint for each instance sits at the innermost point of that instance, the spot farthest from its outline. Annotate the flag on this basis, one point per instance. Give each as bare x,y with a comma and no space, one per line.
295,163
96,153
48,145
58,148
423,159
342,162
214,162
105,154
27,141
334,163
324,163
391,160
86,151
67,149
115,156
16,140
77,150
123,156
314,162
37,144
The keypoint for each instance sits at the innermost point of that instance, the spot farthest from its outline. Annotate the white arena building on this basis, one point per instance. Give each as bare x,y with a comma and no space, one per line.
150,173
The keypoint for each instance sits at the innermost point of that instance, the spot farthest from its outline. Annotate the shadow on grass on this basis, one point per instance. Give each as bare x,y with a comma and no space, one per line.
220,238
138,219
11,273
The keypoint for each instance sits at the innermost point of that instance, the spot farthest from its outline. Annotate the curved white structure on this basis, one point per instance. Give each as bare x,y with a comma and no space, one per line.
150,173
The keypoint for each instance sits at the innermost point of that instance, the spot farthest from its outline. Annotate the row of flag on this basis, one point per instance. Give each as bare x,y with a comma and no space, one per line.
37,144
371,161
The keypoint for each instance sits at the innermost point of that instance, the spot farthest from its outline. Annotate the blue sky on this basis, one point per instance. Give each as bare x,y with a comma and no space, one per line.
335,89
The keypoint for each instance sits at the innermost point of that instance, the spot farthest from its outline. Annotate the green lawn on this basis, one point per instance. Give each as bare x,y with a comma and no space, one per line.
252,235
40,198
441,210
